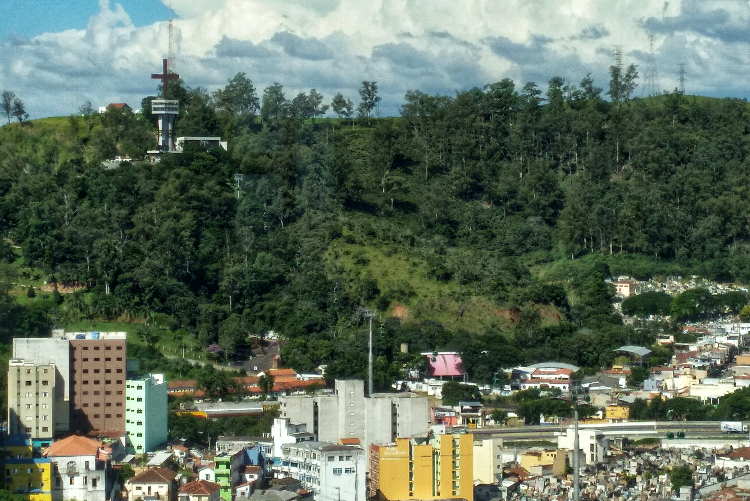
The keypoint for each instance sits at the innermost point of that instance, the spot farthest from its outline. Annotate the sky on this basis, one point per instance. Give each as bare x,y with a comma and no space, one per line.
57,54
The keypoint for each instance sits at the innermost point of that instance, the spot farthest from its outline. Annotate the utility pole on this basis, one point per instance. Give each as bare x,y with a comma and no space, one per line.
369,362
575,393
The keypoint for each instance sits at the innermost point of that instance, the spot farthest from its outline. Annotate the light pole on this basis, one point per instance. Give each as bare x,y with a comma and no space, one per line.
575,392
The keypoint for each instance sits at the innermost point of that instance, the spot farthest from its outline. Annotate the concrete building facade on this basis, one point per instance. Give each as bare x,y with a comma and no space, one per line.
409,469
51,351
98,371
348,414
145,413
330,471
488,460
31,398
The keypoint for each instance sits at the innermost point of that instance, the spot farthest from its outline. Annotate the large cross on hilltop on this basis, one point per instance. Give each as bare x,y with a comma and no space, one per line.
165,77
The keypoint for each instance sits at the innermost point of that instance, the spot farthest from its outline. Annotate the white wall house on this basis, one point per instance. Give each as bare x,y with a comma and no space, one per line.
331,471
80,467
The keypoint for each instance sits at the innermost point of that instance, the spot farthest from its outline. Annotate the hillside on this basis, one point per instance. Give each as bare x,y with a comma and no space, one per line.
485,223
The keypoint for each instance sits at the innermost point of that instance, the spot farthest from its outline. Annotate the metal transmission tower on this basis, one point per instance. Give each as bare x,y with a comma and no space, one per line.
681,87
170,50
618,57
651,76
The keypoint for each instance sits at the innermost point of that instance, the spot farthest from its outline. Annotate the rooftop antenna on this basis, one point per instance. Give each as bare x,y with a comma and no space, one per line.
651,77
170,51
681,87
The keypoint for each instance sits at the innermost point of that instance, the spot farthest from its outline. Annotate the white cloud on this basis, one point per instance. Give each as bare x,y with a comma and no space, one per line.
437,46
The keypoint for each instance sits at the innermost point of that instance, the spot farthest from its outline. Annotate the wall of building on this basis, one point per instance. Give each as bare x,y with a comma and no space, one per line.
31,398
348,414
146,413
98,383
440,470
488,461
51,351
87,484
33,477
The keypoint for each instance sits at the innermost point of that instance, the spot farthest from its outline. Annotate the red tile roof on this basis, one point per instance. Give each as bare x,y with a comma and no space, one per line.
74,445
200,487
349,441
154,476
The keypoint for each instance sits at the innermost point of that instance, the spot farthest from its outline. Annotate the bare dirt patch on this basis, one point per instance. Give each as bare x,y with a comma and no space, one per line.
400,311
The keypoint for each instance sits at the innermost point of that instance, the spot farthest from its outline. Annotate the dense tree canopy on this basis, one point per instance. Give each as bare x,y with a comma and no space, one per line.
485,222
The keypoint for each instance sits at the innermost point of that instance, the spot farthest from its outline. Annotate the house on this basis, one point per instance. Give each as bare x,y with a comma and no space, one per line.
152,485
81,468
206,472
200,490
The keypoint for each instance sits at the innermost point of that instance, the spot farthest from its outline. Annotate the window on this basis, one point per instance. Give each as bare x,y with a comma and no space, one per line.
108,348
96,371
85,404
45,394
72,481
107,392
28,383
28,406
85,348
45,418
96,381
45,429
85,371
96,348
107,381
108,415
96,416
337,471
28,371
348,458
85,392
96,359
118,348
341,458
119,371
107,371
44,406
349,470
108,359
93,483
44,371
45,383
96,404
119,415
85,359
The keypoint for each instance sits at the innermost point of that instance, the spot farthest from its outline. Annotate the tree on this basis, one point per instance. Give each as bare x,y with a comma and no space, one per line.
500,416
6,104
370,99
238,97
19,111
341,106
265,383
274,104
454,392
680,476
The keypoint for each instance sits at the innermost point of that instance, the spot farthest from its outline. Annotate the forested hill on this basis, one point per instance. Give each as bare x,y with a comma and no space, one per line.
484,222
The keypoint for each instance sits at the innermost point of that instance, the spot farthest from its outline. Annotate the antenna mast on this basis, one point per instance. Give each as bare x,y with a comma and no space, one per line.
170,52
651,83
618,57
681,87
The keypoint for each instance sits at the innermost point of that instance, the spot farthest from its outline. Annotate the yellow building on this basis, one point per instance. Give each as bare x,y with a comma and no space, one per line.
617,412
25,474
439,468
552,459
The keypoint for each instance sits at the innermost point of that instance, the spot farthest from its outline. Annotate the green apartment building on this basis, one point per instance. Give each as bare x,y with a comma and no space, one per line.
146,413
